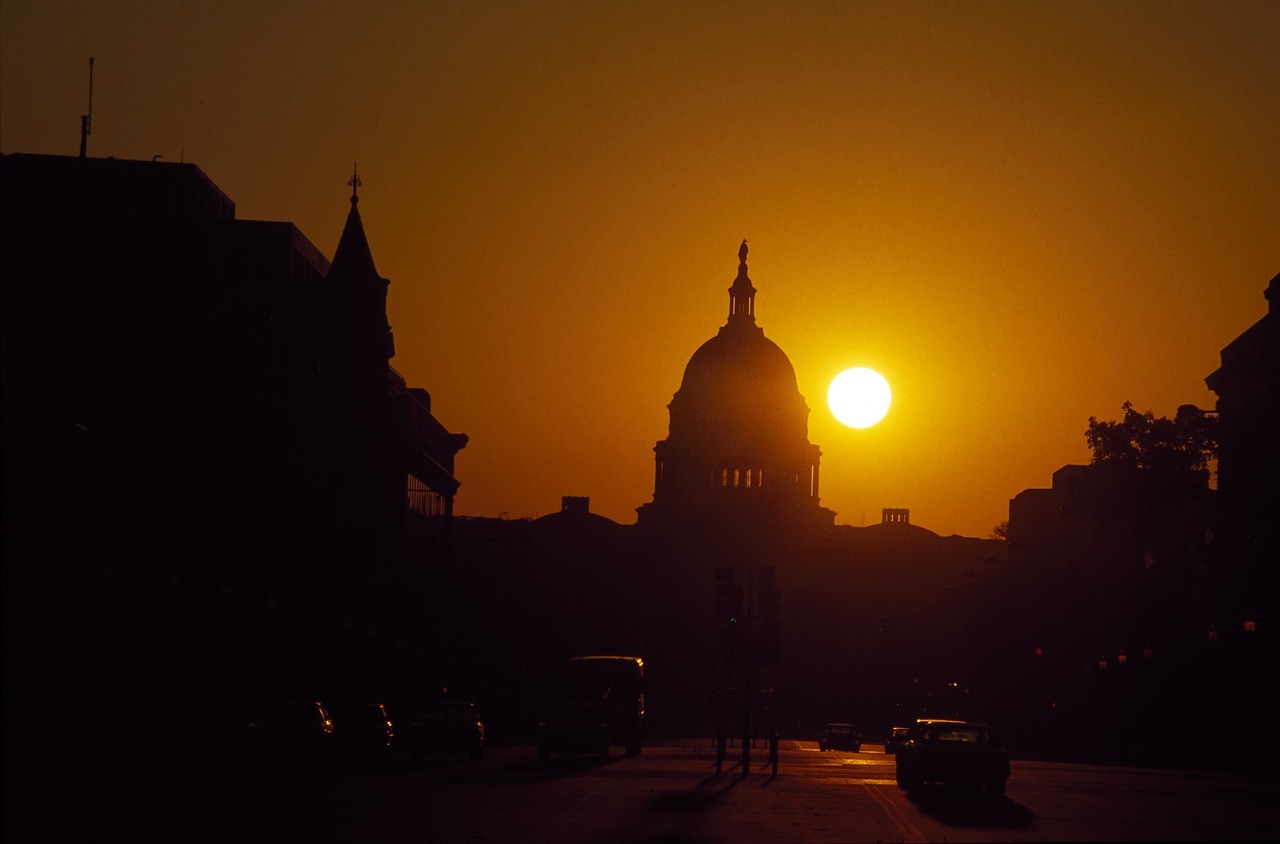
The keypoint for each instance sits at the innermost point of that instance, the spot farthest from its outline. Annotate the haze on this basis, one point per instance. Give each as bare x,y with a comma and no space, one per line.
1022,214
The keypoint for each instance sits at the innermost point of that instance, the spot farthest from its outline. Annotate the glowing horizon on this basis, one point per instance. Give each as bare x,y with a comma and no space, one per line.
1022,215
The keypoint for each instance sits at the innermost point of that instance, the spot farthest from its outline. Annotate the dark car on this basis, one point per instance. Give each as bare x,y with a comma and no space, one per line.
446,727
361,727
896,738
840,736
962,753
288,728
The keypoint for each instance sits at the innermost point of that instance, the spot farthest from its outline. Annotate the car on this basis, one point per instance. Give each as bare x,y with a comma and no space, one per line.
838,735
896,738
361,727
288,728
446,727
959,753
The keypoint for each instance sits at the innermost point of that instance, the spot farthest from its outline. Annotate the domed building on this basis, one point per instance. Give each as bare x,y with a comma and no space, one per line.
738,449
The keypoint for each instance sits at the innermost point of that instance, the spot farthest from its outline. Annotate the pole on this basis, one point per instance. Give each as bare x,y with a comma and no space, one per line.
86,120
747,682
748,669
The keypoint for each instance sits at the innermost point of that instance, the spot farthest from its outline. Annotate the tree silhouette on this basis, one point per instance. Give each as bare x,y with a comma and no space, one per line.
1167,447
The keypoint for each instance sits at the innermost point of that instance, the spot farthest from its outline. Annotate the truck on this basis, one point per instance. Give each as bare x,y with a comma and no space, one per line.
594,703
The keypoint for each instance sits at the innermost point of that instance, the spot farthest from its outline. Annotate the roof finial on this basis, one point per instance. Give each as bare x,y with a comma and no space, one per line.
354,181
742,252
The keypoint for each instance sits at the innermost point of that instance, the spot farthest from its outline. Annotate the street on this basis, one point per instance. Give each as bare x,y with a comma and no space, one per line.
671,793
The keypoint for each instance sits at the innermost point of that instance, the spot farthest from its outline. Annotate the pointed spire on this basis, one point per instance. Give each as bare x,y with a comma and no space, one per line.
742,295
360,294
353,258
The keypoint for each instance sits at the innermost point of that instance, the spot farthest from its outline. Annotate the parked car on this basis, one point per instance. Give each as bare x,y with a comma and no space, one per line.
288,728
896,738
445,727
361,727
953,753
840,736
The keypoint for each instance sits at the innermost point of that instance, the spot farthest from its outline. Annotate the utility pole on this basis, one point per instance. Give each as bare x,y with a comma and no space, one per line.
86,120
748,675
749,637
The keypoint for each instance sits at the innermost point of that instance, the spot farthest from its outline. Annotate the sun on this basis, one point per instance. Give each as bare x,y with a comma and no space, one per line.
859,397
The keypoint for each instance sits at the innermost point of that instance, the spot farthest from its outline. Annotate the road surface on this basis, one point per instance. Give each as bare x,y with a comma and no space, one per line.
671,794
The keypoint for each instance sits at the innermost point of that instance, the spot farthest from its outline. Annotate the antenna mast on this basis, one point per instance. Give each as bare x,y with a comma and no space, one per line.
86,120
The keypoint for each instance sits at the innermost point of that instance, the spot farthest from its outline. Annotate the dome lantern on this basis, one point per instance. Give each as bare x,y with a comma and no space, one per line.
742,294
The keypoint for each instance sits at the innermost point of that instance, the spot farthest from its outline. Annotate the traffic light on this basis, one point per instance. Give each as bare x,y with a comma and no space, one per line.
728,593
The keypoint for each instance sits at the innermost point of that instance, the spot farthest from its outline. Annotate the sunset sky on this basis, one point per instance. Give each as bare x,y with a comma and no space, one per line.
1022,214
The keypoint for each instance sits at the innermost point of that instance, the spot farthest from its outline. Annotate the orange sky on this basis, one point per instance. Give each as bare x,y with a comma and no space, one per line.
1022,214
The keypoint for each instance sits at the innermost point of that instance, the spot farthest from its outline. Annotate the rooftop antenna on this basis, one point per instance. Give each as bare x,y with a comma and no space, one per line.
86,120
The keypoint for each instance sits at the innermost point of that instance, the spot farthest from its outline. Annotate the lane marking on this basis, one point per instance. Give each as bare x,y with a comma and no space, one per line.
905,827
577,810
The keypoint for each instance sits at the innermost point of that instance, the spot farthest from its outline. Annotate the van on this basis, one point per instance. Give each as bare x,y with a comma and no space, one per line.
595,703
840,736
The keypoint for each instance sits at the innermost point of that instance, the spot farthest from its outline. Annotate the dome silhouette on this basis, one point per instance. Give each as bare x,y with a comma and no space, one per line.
739,386
738,446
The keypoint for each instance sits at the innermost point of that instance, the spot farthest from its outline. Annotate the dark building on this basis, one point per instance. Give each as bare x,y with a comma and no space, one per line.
1159,585
1186,555
389,461
738,453
211,473
1240,572
1248,407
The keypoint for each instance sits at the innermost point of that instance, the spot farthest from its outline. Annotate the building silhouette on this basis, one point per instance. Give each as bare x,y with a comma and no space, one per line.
389,460
213,478
1156,584
145,324
1239,642
1248,387
1187,555
737,454
895,516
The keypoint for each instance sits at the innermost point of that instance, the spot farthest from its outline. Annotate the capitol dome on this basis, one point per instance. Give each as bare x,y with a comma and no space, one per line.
738,440
739,385
733,357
